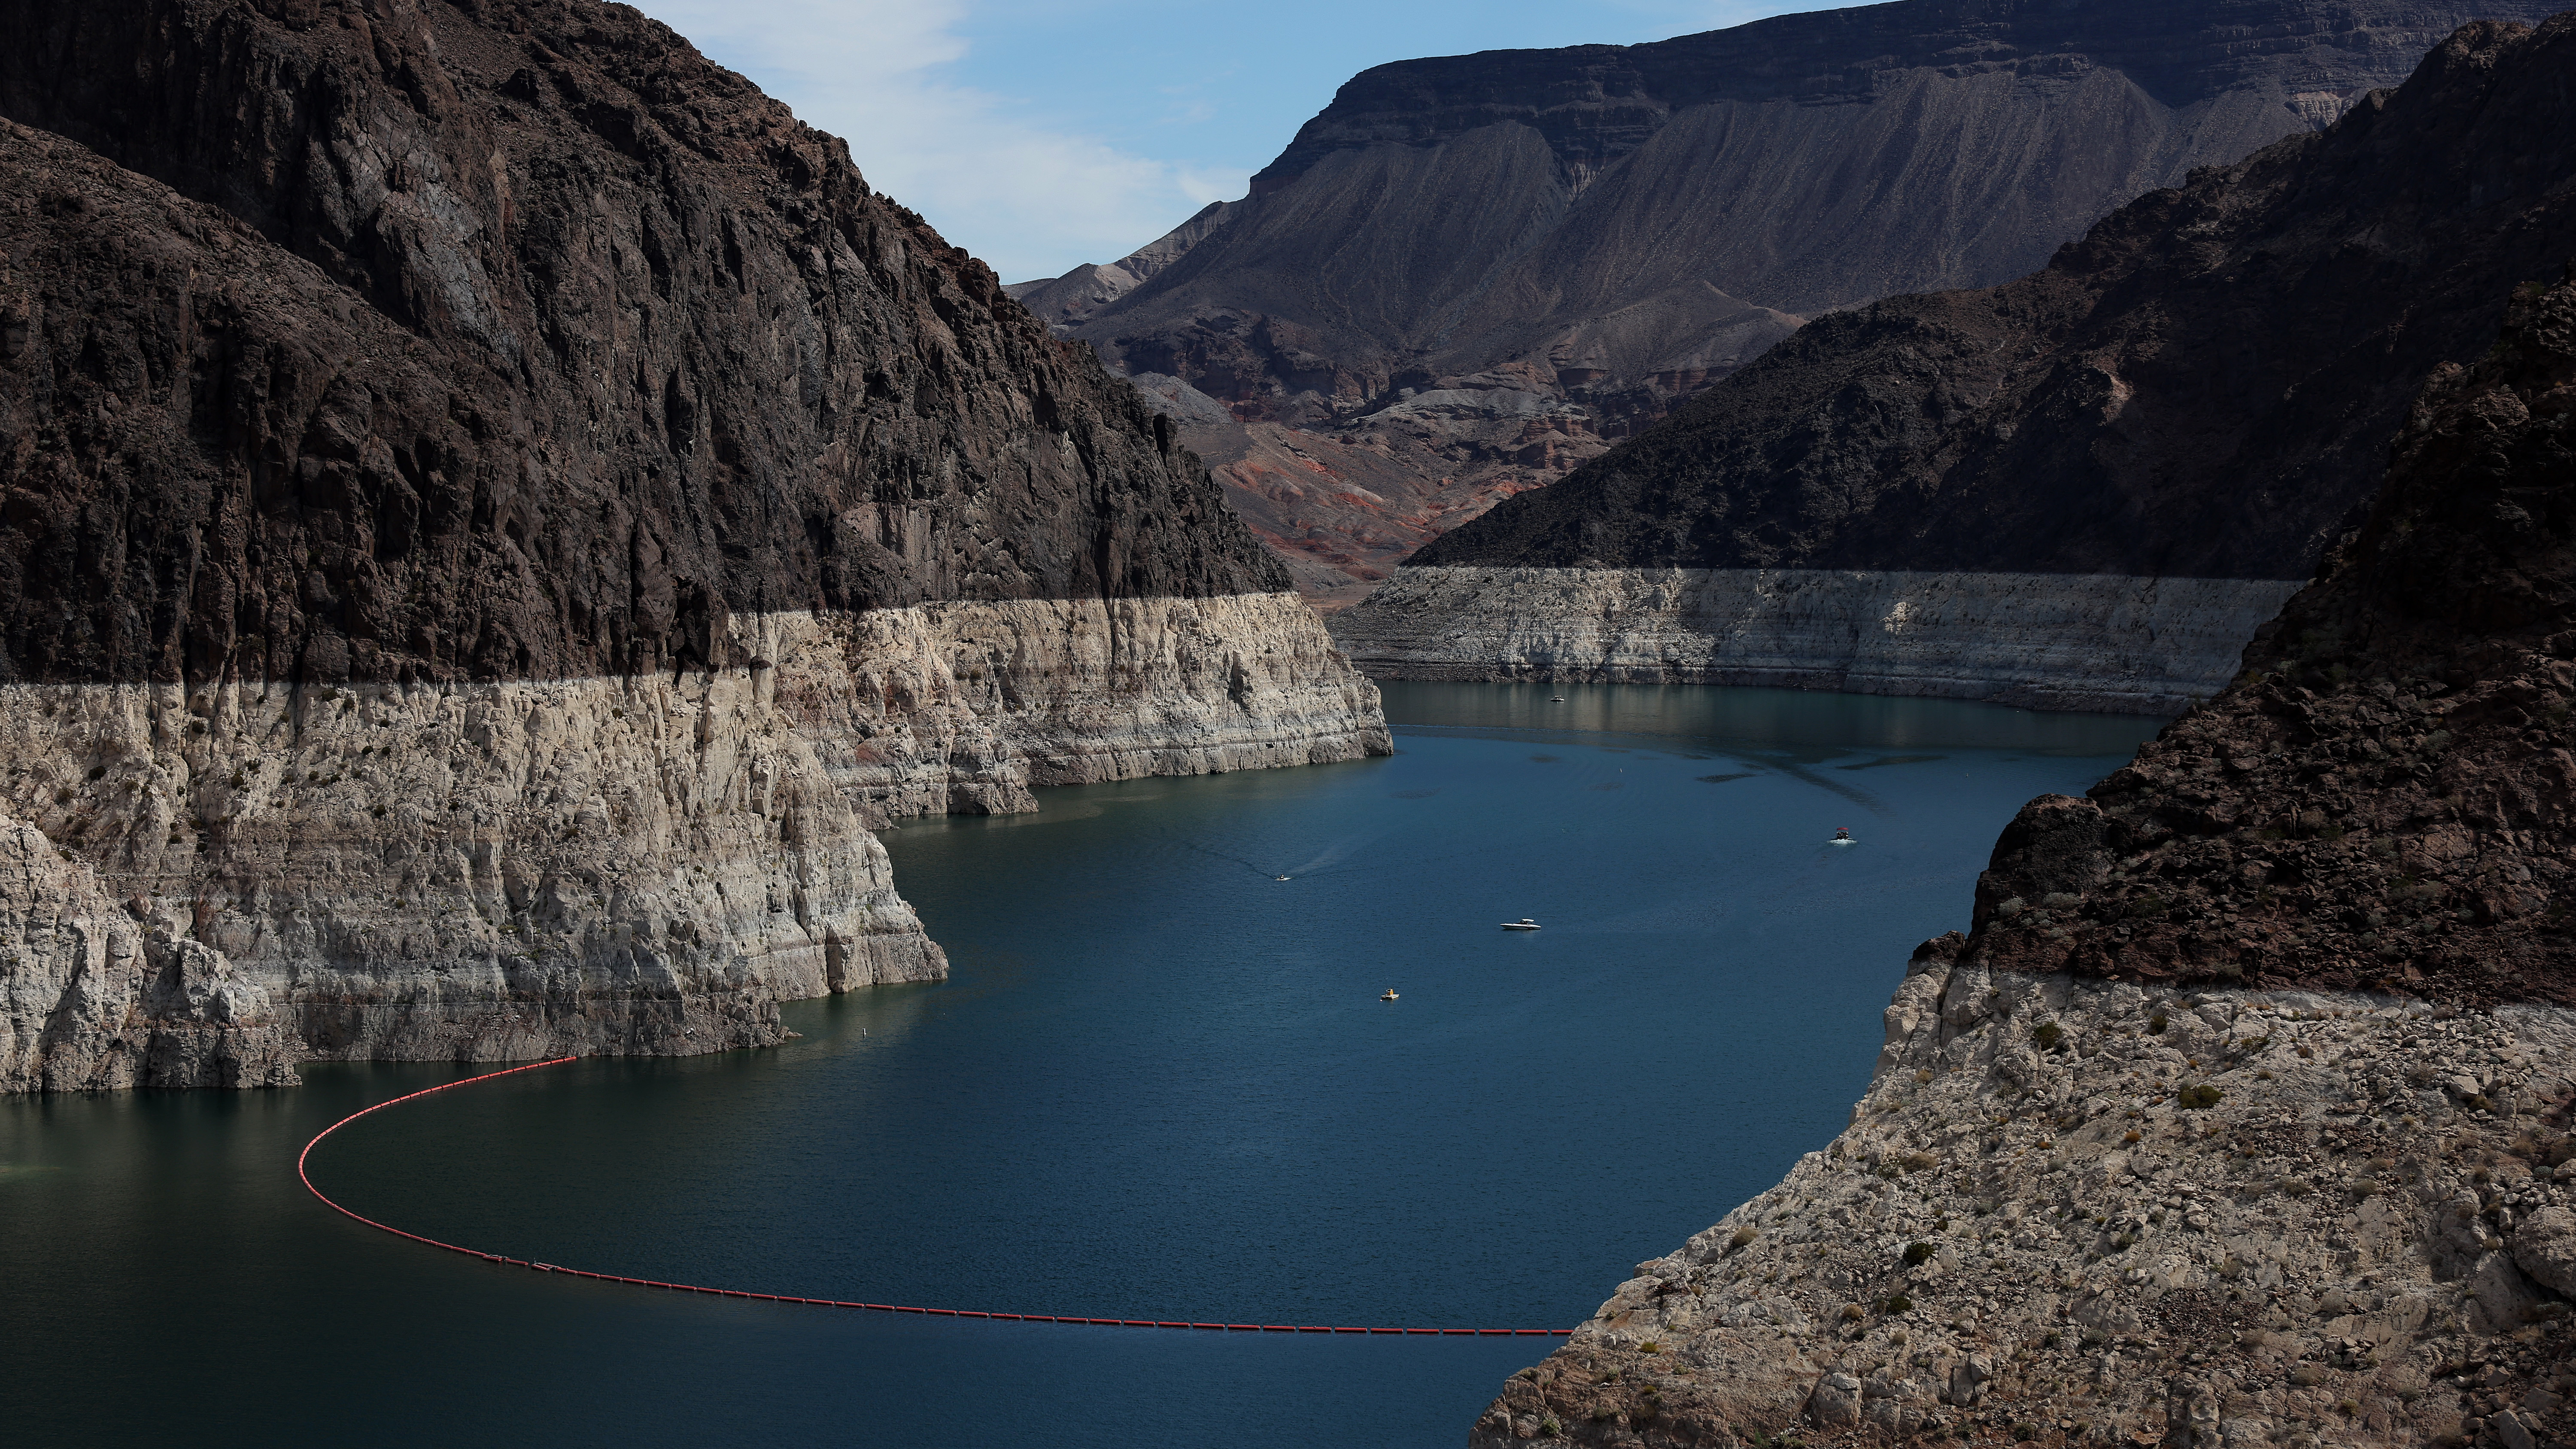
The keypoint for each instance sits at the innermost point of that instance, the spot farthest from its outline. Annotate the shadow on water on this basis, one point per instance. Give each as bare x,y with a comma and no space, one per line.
1159,1083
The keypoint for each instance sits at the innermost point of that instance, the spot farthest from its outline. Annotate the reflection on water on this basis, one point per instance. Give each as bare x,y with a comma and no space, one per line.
1161,1083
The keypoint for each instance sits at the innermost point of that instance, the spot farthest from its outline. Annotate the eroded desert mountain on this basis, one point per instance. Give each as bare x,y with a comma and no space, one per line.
1471,274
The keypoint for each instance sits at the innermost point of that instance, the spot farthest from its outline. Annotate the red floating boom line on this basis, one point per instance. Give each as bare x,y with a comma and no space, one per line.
307,1179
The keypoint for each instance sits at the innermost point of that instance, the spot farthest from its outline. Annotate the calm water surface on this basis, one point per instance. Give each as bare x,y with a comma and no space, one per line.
1159,1084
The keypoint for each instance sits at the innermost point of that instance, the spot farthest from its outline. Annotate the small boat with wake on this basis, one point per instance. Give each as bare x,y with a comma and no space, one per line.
1523,924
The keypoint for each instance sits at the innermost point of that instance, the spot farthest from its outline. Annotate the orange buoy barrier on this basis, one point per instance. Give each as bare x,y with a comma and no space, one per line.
303,1174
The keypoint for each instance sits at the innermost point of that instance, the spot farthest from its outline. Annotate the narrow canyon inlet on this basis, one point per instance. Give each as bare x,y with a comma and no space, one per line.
1158,1083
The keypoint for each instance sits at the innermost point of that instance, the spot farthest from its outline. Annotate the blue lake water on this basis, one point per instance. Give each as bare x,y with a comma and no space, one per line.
1159,1084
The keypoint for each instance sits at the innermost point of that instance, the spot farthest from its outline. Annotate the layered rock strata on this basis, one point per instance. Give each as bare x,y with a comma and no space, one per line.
2072,1211
493,511
2108,414
1604,231
2043,641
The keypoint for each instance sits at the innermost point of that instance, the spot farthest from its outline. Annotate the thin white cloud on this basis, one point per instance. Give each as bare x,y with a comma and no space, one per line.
1030,198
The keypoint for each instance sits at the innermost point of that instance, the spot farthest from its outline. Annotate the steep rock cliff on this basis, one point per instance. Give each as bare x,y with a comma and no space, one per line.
635,348
479,568
1610,229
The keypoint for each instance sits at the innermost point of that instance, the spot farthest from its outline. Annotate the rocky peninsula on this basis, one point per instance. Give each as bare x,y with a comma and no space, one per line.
2241,1115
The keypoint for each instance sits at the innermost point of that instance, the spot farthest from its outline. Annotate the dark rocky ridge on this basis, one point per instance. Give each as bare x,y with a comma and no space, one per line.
2387,799
1564,244
587,344
2203,386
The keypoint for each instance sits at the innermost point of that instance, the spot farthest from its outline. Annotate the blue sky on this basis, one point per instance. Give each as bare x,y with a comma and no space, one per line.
1043,135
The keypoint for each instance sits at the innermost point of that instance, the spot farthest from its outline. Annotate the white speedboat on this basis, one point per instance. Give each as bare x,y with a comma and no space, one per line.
1523,924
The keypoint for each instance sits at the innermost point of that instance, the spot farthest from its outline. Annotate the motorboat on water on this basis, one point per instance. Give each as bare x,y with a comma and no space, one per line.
1389,996
1842,836
1523,924
1556,699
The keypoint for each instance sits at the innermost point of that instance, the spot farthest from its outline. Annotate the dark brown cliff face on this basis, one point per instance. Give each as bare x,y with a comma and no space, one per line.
2203,386
2387,799
582,346
1482,271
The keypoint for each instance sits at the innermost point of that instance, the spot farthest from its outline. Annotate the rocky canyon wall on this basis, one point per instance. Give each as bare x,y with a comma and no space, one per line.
2044,641
2242,1114
493,511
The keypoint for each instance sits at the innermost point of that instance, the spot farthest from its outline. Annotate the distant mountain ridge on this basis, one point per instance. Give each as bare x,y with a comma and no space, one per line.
2203,386
1567,242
